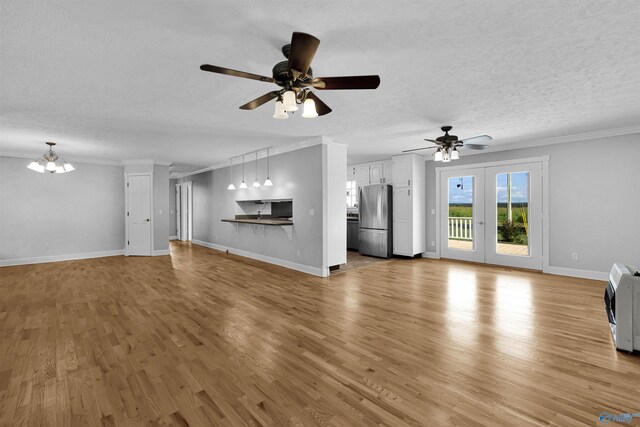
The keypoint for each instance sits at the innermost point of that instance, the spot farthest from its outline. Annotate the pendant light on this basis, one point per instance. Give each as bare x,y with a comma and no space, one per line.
267,182
231,186
242,184
280,113
309,109
256,183
50,162
289,101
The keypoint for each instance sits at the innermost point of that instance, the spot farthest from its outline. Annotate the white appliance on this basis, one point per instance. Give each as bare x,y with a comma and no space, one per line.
622,301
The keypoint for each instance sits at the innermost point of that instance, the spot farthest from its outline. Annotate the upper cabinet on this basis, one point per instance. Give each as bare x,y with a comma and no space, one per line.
371,173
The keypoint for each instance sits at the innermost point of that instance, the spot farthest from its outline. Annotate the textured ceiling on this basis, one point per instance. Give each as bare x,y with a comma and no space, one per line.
120,80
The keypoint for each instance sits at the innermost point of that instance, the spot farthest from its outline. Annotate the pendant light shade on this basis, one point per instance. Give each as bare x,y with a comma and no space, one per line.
242,184
256,183
50,162
455,155
231,186
267,182
309,109
289,101
438,155
280,113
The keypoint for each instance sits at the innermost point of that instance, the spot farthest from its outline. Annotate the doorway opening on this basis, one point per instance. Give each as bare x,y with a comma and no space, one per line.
184,207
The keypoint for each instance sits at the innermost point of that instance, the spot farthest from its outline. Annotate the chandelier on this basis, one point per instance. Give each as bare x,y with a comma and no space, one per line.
50,162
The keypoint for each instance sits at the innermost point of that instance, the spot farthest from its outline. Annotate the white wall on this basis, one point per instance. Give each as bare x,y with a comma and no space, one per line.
173,225
51,215
594,201
335,208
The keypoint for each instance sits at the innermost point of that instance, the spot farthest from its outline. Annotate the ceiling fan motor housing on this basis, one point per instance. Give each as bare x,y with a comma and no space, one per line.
282,76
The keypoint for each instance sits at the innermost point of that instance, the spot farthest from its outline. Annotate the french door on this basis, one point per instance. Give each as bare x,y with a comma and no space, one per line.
493,215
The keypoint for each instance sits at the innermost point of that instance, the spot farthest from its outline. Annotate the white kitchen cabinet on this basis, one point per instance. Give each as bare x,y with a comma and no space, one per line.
375,173
387,172
409,213
362,174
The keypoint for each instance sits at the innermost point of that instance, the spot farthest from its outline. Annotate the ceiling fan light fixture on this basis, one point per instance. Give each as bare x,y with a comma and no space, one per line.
68,167
289,101
309,109
455,155
445,156
280,113
438,155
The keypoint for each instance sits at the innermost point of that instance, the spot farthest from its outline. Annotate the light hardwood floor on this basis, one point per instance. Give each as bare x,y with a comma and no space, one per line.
204,338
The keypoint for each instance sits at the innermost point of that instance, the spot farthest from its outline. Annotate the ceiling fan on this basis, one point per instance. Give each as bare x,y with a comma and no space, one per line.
447,145
295,79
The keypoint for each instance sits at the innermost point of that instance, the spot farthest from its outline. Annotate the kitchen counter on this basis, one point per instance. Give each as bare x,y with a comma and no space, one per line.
263,221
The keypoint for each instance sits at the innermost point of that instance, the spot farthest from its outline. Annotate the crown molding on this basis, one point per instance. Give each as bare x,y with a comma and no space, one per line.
128,162
87,160
562,139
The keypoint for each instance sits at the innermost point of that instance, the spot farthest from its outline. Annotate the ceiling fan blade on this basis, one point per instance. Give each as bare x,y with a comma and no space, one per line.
477,139
235,73
346,82
432,140
321,107
419,149
475,146
252,105
303,49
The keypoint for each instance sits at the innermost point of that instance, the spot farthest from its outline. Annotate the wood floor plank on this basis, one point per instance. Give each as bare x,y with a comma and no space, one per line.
206,338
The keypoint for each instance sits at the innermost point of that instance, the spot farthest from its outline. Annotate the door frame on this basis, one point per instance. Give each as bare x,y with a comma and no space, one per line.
126,208
188,185
544,160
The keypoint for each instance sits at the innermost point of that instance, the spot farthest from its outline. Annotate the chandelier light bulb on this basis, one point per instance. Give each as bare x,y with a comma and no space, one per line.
454,154
438,155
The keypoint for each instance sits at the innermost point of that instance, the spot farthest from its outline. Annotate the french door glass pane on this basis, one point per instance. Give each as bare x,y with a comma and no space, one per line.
512,191
460,227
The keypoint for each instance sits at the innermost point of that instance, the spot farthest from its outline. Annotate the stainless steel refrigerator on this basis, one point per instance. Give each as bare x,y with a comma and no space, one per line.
376,220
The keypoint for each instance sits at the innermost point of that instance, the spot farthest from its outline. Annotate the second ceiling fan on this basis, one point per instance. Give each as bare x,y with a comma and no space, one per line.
447,145
295,78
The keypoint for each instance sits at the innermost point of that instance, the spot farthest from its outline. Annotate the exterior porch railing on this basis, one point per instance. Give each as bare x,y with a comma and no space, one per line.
461,228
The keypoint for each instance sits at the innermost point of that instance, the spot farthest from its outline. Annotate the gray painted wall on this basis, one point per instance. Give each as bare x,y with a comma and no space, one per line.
296,175
593,199
71,213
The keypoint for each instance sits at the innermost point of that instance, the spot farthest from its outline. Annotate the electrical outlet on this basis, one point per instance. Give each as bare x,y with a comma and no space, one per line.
312,212
160,211
433,243
298,252
433,211
574,256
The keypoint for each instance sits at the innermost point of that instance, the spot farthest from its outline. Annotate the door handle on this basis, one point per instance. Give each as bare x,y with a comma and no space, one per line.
147,220
480,222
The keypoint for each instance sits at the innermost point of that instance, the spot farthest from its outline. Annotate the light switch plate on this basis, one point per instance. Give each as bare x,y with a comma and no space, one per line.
312,212
160,211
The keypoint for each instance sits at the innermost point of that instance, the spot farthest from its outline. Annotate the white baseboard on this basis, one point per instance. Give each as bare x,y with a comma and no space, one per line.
173,237
321,272
58,258
574,272
432,255
161,252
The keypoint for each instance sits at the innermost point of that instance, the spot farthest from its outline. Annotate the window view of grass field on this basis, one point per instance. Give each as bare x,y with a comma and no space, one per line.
512,210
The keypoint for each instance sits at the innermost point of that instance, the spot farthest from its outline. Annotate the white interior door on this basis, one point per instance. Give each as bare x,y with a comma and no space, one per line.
514,215
184,202
139,215
462,214
178,210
